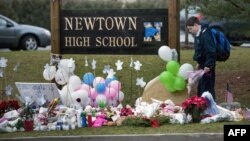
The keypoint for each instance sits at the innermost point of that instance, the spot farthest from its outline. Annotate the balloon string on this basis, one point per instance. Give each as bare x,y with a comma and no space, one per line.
4,84
51,86
131,74
92,100
118,92
68,94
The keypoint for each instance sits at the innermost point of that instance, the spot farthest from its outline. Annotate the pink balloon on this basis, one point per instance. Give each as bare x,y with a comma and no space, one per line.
116,85
110,93
93,94
93,103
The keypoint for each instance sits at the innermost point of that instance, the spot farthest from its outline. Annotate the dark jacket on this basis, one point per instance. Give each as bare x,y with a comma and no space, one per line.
205,49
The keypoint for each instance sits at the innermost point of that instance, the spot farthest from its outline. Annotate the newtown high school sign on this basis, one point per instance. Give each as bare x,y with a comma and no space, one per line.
121,31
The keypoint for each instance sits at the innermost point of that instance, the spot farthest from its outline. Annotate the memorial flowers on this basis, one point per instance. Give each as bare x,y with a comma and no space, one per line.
8,105
195,106
27,115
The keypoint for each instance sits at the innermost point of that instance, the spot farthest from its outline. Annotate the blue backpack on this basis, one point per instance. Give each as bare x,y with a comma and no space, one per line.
222,44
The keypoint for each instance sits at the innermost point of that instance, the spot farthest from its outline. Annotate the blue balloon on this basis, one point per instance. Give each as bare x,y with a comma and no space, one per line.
88,78
108,80
100,88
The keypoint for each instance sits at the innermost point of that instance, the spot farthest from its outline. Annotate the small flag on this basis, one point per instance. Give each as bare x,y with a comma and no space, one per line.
229,95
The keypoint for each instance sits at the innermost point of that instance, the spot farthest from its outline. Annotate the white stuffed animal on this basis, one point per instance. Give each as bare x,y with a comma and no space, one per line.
66,68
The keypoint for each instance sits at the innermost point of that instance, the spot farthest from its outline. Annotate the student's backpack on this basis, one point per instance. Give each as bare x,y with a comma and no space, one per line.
222,44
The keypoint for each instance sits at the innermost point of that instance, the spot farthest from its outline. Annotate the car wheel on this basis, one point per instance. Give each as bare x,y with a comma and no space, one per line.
29,42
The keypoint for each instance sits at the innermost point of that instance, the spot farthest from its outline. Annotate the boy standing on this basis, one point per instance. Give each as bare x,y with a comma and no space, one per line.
204,55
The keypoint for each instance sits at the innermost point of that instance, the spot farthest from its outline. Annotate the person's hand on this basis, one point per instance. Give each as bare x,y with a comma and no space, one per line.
206,70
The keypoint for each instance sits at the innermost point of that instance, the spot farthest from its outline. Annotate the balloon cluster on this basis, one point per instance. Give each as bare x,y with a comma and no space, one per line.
94,91
90,90
173,78
61,75
103,90
170,78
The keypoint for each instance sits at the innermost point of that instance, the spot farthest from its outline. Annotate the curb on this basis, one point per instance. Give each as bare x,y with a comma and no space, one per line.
148,137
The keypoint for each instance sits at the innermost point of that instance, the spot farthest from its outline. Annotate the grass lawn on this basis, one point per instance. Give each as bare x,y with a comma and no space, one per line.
235,71
119,130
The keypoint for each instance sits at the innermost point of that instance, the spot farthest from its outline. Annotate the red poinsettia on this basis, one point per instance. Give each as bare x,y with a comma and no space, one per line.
8,105
126,112
13,104
195,106
3,105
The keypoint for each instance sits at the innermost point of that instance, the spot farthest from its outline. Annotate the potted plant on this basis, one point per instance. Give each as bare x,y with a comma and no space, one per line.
27,115
195,106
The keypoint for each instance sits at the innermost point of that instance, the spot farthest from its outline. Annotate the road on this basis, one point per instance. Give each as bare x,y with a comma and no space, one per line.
182,39
40,49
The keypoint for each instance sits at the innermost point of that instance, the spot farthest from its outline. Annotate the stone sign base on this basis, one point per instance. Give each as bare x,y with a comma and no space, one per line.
155,89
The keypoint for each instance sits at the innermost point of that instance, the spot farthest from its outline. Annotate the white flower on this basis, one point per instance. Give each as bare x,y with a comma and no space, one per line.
137,65
86,61
106,69
111,73
140,82
93,64
119,65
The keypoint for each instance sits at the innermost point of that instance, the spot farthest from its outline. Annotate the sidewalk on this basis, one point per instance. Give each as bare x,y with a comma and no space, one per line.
150,137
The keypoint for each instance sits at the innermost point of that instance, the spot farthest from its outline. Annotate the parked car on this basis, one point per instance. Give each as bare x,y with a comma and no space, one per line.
19,36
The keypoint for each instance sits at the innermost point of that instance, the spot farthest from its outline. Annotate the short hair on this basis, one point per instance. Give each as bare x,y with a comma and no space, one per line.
192,20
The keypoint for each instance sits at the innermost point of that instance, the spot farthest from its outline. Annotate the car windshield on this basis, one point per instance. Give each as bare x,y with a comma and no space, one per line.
9,20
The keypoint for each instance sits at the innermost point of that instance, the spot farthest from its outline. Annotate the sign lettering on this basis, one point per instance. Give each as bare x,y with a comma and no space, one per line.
126,31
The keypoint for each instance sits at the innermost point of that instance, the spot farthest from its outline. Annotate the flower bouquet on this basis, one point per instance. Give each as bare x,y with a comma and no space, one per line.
195,106
27,115
6,106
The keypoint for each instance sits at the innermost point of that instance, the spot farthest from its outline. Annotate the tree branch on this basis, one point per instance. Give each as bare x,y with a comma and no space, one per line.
237,6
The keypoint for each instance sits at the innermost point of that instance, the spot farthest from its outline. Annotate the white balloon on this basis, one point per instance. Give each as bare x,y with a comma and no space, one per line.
185,69
49,74
61,77
75,82
98,80
63,94
165,53
68,65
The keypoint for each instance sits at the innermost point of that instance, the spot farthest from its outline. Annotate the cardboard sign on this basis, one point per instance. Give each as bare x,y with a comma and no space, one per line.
36,91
